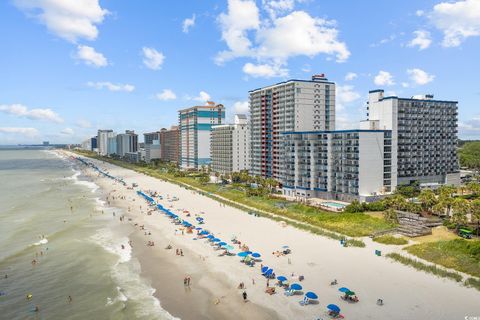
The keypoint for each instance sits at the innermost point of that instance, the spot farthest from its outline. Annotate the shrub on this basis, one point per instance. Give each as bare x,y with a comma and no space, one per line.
388,239
354,207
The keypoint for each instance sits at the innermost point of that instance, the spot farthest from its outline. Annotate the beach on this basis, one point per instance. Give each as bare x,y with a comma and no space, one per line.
213,293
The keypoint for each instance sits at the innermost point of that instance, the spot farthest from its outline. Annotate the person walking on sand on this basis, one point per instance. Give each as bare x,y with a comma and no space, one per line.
244,294
70,299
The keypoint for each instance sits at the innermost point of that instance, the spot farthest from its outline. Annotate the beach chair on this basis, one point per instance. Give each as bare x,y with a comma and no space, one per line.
304,302
289,293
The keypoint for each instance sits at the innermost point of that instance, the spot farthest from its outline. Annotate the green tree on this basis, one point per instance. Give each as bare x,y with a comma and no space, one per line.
474,188
396,201
475,212
461,208
390,215
428,199
409,191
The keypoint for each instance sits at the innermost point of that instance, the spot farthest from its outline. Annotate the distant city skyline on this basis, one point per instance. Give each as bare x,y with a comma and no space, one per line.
123,66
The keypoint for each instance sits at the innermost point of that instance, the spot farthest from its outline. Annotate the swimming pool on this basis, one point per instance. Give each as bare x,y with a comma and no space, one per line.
335,205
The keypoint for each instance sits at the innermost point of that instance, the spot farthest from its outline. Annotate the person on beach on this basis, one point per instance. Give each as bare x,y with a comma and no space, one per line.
70,299
181,252
244,294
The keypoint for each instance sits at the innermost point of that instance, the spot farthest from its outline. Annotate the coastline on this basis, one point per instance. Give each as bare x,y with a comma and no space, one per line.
319,259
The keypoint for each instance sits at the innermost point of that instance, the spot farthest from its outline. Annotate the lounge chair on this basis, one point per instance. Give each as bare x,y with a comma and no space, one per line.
289,292
304,302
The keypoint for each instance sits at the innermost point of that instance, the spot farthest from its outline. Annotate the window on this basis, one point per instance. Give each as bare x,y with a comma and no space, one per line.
299,90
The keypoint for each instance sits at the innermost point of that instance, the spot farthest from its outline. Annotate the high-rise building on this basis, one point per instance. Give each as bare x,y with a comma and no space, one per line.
195,126
337,164
102,141
293,105
424,137
127,142
170,144
112,145
230,146
152,146
93,143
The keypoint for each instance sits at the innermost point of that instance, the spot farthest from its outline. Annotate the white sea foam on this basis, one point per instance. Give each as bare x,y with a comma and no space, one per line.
43,241
113,244
126,273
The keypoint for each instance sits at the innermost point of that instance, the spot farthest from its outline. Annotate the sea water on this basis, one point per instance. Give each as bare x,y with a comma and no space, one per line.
59,239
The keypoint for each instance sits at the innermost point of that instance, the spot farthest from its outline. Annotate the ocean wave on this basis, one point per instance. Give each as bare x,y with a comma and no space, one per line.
112,243
43,241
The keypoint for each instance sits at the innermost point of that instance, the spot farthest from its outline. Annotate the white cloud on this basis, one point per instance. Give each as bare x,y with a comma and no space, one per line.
91,57
202,97
68,19
166,94
82,123
275,7
390,38
405,84
188,23
67,132
419,13
345,95
241,107
27,132
111,86
350,76
470,127
264,70
422,39
383,78
344,122
152,58
457,20
420,77
272,41
20,110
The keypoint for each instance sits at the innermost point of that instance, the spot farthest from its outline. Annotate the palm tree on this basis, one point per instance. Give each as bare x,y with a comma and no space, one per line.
397,201
475,211
428,199
461,208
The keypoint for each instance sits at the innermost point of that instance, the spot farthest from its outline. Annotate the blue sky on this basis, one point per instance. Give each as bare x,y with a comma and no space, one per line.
70,67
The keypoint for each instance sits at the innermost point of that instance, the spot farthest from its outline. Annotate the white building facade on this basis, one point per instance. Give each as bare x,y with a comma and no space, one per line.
102,141
230,146
424,137
195,124
293,105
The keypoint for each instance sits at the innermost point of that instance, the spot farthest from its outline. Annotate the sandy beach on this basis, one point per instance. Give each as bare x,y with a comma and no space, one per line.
213,292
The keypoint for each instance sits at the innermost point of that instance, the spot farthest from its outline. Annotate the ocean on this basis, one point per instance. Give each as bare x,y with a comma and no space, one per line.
58,238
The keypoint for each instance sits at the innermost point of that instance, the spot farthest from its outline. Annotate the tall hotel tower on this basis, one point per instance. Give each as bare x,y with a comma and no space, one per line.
293,105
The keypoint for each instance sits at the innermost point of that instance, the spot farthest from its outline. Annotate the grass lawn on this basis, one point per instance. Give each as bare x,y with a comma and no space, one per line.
389,239
438,234
459,254
350,224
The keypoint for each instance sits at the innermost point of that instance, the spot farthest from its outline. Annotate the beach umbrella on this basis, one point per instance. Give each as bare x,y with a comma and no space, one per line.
222,243
242,254
204,232
333,307
285,247
198,228
311,295
343,289
199,218
211,236
216,240
249,252
256,255
264,269
281,278
296,286
269,272
350,293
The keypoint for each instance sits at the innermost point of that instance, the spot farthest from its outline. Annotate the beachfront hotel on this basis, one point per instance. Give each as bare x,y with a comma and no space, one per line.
424,137
341,165
230,146
195,125
404,140
102,141
170,144
127,142
152,146
293,105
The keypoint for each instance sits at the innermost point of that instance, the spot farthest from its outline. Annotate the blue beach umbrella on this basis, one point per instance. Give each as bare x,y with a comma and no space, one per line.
281,278
204,232
333,307
264,269
199,218
222,243
198,228
311,295
296,286
242,254
249,252
216,240
343,289
269,272
256,255
211,236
